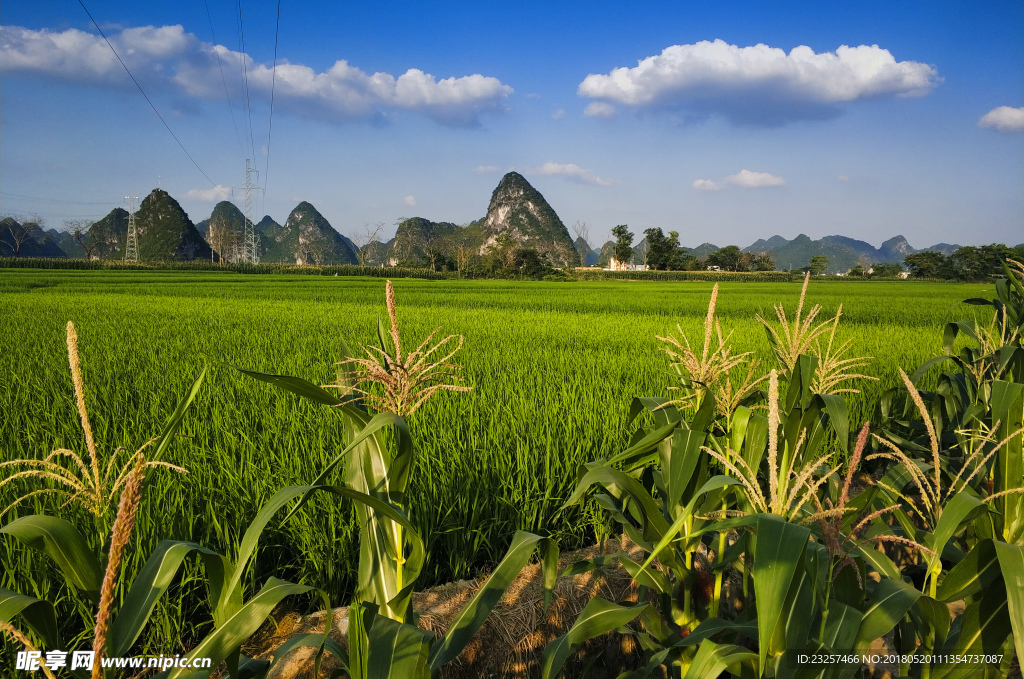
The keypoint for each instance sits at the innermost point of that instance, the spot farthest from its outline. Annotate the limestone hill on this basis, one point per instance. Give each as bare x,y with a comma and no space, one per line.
165,231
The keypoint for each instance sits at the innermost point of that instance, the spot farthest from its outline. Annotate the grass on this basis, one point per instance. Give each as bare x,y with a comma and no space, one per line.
553,368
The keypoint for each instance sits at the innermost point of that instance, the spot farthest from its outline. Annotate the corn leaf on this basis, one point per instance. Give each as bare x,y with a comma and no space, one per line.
1011,561
712,659
984,627
778,554
295,385
888,604
63,543
37,614
472,616
397,650
174,421
960,509
598,617
243,623
978,570
149,585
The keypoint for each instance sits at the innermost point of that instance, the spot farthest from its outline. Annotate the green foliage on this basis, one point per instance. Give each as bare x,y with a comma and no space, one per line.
729,258
817,264
798,553
110,233
884,270
207,266
623,243
925,264
968,263
244,442
664,252
165,231
384,642
518,209
709,276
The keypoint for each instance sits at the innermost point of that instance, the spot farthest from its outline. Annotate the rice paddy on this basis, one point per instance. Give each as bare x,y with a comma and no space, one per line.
553,366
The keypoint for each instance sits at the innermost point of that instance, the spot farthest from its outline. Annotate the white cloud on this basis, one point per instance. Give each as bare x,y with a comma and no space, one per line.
706,185
599,109
167,58
1004,119
484,169
573,172
559,114
410,201
754,180
217,193
843,178
759,84
744,179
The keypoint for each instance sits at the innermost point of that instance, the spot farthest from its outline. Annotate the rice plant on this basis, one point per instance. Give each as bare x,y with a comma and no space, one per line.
552,366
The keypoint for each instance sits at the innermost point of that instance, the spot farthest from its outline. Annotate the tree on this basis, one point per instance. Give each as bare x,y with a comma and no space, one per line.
530,263
856,272
727,258
365,239
664,253
317,251
503,249
564,254
623,244
925,264
817,265
661,251
886,270
762,261
643,251
971,263
582,231
226,241
20,232
464,245
82,233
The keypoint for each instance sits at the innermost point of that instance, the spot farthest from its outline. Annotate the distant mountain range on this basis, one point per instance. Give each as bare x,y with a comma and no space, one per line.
843,253
517,214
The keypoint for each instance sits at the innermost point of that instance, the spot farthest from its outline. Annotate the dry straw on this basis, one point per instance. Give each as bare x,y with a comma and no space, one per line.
391,383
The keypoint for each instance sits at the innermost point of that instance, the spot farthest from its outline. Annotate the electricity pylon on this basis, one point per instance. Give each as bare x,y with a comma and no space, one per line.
250,241
131,247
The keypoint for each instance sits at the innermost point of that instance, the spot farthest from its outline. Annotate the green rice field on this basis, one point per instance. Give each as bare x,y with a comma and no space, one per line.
553,368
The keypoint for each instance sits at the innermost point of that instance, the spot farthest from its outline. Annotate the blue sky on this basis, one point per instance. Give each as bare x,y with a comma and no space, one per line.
727,122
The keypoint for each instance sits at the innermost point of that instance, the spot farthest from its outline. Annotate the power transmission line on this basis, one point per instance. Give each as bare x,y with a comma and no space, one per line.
145,95
273,82
245,77
220,64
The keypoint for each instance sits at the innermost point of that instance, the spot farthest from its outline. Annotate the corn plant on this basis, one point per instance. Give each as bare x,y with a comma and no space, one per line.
665,495
383,639
807,538
959,480
95,577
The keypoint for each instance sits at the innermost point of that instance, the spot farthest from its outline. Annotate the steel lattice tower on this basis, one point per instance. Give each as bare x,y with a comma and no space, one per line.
250,243
131,248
